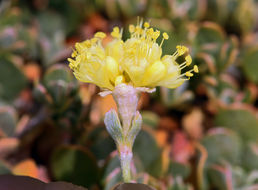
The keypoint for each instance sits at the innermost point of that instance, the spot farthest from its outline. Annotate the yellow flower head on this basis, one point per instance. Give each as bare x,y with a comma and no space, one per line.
138,61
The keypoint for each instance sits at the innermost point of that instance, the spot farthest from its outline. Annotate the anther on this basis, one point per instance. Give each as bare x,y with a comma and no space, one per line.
195,69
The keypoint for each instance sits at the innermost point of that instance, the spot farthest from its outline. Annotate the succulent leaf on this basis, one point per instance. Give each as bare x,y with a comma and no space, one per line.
113,125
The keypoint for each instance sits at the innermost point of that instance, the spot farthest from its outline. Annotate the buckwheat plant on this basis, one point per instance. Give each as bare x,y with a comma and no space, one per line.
125,69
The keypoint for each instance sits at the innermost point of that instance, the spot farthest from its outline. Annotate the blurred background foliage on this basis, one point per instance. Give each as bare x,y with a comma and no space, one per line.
202,135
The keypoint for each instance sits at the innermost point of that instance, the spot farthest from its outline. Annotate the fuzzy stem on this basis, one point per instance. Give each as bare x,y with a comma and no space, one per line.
126,97
125,154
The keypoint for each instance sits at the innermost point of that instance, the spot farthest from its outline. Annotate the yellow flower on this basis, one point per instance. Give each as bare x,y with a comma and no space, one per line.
138,61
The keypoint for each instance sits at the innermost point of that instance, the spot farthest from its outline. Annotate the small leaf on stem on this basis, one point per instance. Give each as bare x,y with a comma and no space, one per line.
113,125
135,128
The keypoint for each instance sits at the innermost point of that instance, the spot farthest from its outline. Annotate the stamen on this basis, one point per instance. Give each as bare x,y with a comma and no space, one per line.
188,60
165,37
72,63
131,28
149,33
188,74
195,69
175,55
100,35
70,60
74,53
182,50
79,47
138,31
93,41
146,25
183,65
156,35
87,43
115,33
116,29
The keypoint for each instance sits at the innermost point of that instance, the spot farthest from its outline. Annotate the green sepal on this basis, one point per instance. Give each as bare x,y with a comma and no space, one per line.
113,125
135,128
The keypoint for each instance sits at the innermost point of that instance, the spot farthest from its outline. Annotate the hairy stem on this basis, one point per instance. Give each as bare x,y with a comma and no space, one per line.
125,154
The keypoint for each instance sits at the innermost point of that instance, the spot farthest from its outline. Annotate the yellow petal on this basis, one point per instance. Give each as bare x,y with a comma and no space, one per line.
136,74
155,53
173,83
154,74
115,49
112,68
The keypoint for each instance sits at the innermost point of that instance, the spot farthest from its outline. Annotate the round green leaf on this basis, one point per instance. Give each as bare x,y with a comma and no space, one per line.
148,152
101,143
222,145
12,80
241,121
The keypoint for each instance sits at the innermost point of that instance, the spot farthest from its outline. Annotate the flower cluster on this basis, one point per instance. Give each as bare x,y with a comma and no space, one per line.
138,61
